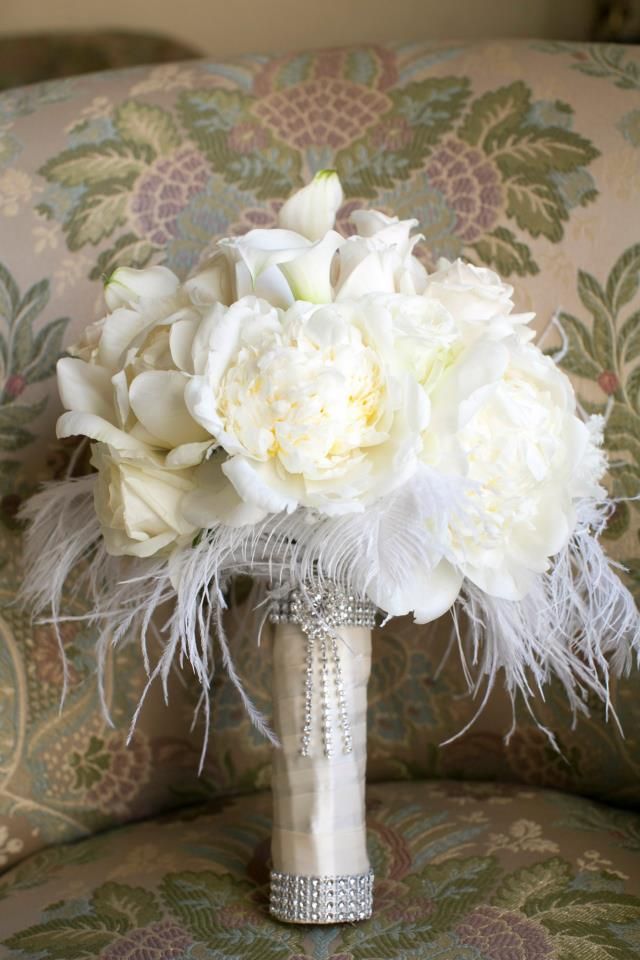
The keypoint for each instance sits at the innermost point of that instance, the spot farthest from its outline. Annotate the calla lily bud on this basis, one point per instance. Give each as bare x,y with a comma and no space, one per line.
312,210
127,285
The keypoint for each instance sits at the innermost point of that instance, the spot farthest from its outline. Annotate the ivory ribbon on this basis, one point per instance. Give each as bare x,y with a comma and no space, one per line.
318,801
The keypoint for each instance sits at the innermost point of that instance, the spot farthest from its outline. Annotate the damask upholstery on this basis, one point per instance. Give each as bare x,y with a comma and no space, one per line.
522,156
467,872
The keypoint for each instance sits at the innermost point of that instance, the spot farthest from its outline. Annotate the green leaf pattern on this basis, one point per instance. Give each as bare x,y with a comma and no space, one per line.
464,904
603,345
28,356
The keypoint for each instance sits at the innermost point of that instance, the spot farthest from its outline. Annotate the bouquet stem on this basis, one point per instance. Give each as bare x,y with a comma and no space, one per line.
321,665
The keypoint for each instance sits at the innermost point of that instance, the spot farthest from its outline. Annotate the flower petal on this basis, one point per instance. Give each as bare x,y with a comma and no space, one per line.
216,501
127,285
74,424
157,399
188,454
427,594
309,274
312,210
365,271
181,337
439,592
258,485
213,283
120,328
85,387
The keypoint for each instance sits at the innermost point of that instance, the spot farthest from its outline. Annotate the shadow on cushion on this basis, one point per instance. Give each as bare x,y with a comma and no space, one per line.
32,58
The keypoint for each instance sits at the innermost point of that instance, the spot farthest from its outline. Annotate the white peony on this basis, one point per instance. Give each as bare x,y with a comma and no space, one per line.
504,419
306,405
138,503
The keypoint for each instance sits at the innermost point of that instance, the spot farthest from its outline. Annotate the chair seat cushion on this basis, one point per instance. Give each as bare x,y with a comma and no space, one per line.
465,871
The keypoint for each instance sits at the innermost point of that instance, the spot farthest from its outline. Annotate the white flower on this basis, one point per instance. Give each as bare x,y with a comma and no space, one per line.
293,262
124,383
304,404
138,502
213,283
312,210
504,419
423,340
478,299
380,258
127,285
282,266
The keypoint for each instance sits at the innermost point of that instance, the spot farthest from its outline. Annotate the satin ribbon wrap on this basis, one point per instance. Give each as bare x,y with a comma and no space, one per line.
319,828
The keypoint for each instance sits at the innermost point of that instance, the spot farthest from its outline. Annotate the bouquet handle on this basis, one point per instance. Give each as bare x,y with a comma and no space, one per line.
321,666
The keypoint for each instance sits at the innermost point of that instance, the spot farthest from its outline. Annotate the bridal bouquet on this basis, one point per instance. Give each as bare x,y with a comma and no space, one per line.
318,411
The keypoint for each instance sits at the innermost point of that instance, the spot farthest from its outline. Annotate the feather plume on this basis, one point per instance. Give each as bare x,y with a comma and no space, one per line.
579,621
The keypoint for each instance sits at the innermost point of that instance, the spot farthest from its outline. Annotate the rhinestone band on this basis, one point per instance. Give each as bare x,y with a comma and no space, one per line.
297,899
330,604
319,611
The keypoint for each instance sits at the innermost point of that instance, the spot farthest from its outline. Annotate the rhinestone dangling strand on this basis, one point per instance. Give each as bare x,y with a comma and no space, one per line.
319,612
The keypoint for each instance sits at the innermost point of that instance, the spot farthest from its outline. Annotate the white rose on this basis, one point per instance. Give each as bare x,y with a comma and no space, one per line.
124,384
424,340
213,283
504,419
305,405
480,302
126,286
380,258
138,503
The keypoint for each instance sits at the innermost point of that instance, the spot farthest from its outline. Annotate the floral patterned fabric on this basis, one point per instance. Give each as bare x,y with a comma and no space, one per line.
465,872
522,156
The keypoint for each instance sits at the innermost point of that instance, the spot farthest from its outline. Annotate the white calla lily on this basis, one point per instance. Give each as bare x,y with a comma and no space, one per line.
309,275
312,211
282,266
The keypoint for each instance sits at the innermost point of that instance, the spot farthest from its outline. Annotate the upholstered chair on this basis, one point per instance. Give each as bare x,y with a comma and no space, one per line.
520,156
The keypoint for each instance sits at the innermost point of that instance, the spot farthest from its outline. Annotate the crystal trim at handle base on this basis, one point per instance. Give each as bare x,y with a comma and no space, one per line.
296,899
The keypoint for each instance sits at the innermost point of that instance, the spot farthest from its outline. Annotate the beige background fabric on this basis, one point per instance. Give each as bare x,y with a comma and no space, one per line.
248,26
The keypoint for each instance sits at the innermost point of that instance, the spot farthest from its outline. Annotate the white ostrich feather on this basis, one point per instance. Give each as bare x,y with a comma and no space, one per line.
578,623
